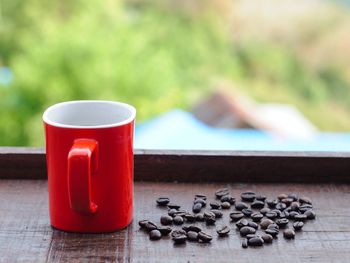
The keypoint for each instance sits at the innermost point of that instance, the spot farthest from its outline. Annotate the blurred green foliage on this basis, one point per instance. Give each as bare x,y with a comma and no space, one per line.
147,55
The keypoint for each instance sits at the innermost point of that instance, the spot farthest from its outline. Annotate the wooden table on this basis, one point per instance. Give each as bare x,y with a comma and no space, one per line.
26,236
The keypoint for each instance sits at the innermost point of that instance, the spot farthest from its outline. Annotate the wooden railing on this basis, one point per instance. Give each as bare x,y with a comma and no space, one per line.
193,166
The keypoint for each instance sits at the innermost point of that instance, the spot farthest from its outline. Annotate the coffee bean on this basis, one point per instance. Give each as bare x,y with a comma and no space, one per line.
164,230
209,217
289,234
281,209
172,212
204,237
217,213
245,243
271,215
281,206
288,209
282,196
249,236
240,206
294,206
267,238
305,200
166,220
178,220
248,196
241,223
232,201
201,196
228,198
257,204
292,214
200,201
221,192
155,234
199,217
181,213
223,231
265,223
225,205
260,198
149,226
310,214
163,201
273,226
192,236
179,239
190,217
185,228
293,196
298,225
215,205
197,207
282,222
253,225
247,230
284,214
175,206
225,198
192,228
256,217
143,223
272,232
278,212
264,210
300,217
247,212
255,242
287,201
303,208
178,232
179,236
236,215
272,203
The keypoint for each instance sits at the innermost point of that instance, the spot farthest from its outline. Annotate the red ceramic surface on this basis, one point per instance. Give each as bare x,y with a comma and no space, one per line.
90,175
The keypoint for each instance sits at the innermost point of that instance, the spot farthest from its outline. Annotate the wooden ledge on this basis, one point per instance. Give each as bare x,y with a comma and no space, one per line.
195,166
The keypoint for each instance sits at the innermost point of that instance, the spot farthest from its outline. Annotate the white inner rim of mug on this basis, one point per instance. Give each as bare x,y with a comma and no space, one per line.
89,114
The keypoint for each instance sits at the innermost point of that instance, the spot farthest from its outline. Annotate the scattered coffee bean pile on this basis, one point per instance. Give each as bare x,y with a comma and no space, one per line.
257,219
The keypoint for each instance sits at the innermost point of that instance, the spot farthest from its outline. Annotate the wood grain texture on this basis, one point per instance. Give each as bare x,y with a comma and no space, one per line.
203,166
26,236
22,163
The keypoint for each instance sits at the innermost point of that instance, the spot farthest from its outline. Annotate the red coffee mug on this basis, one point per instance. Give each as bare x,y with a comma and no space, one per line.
89,154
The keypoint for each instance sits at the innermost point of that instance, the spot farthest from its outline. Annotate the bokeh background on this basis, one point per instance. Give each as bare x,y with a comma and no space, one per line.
162,54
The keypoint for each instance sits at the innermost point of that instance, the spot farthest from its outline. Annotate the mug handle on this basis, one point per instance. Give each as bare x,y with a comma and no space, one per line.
82,164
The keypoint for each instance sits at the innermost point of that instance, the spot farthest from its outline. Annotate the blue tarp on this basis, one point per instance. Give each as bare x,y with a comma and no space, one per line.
180,130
